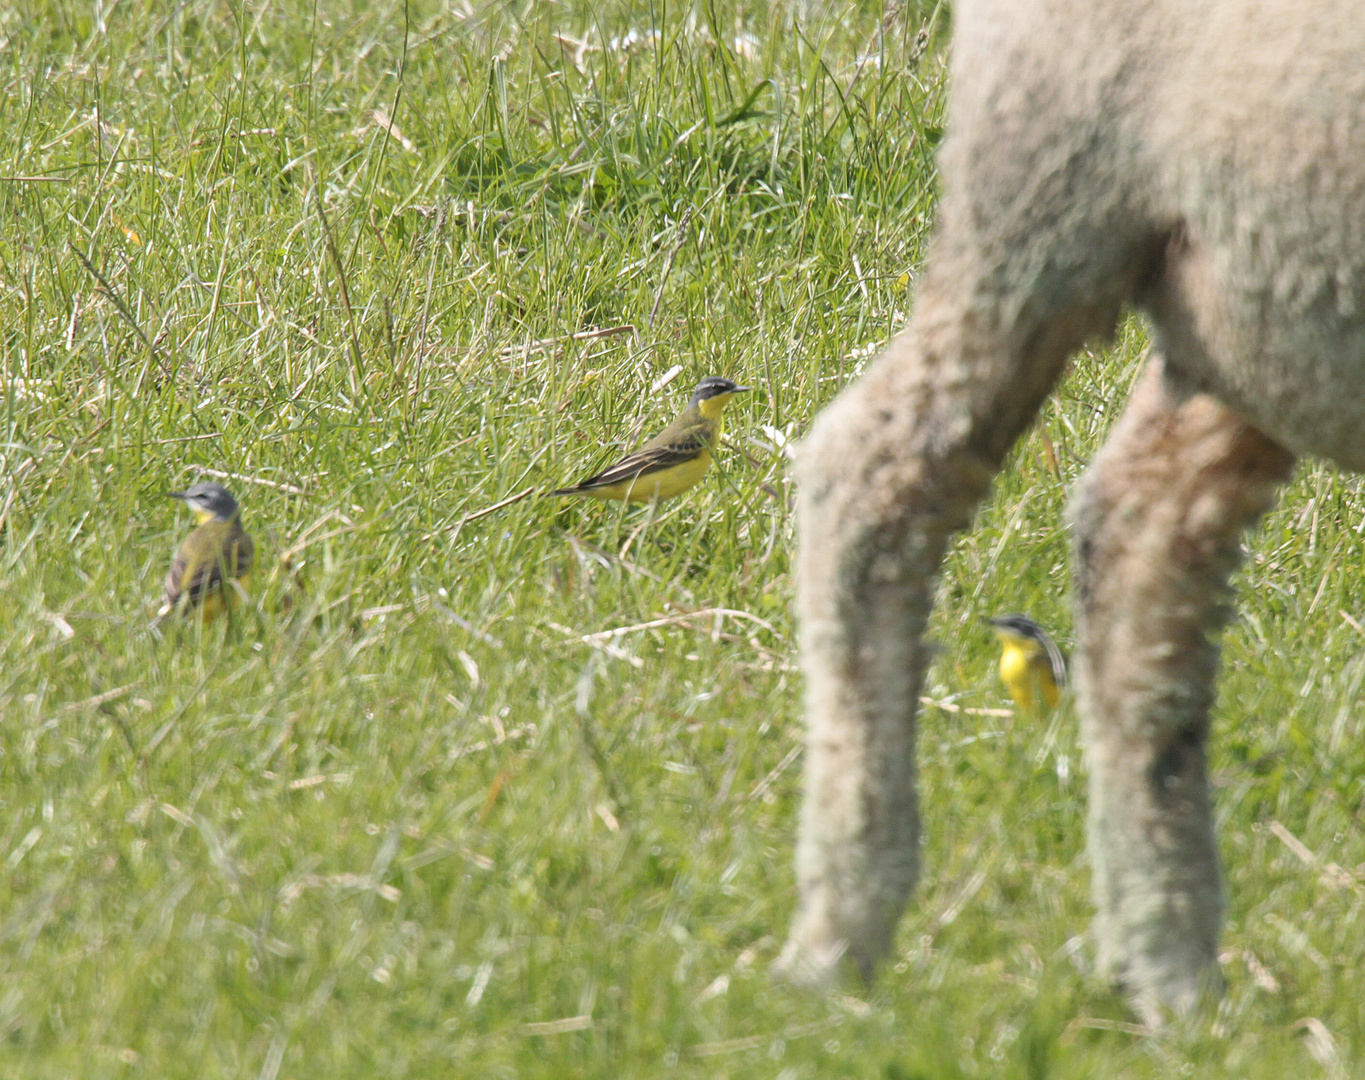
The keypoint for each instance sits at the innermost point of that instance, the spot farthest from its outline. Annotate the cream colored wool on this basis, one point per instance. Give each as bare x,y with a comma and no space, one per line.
1204,162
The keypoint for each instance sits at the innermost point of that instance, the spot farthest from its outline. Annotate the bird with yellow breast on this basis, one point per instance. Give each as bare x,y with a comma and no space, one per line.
675,459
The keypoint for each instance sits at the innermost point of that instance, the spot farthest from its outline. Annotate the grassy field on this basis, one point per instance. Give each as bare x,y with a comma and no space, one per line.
499,786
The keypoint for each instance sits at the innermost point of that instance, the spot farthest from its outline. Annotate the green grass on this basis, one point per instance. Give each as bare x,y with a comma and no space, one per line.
422,814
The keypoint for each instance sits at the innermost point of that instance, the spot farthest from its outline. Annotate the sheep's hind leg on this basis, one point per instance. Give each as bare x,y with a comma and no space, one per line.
1157,522
888,473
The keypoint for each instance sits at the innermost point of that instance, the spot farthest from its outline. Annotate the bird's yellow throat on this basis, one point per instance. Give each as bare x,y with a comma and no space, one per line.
711,408
1026,672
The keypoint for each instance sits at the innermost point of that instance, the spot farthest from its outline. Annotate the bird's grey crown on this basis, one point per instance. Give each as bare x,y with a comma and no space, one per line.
213,497
713,385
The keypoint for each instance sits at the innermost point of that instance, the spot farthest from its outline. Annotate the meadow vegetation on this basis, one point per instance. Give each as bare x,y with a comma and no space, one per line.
496,785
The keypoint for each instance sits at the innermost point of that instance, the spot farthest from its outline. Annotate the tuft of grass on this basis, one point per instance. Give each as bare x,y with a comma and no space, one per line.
489,784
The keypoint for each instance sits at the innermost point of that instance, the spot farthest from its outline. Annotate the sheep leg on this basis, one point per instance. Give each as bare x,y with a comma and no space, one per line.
1157,521
890,470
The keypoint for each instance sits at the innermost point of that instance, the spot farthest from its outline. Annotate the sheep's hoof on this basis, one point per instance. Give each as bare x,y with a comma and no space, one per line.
817,968
1158,1002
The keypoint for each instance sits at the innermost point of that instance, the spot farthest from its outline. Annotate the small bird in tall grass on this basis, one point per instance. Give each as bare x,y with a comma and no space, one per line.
212,568
672,461
1031,666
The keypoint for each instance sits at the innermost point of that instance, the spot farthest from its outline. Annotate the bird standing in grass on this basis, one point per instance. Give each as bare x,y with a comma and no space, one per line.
213,565
1030,664
673,460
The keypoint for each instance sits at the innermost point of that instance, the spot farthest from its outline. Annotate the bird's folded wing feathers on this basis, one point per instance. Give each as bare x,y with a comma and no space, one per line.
1056,661
235,553
650,459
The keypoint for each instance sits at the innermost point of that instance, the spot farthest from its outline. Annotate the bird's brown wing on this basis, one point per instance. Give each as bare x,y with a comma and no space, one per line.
198,567
1056,661
652,458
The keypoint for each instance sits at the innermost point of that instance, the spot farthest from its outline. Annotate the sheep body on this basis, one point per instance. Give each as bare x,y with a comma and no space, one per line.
1203,162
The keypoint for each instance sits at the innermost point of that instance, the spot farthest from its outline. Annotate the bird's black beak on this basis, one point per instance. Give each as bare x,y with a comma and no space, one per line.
175,494
741,389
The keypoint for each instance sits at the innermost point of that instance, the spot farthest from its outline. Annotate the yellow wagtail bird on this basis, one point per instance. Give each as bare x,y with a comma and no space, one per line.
214,562
1031,666
674,459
